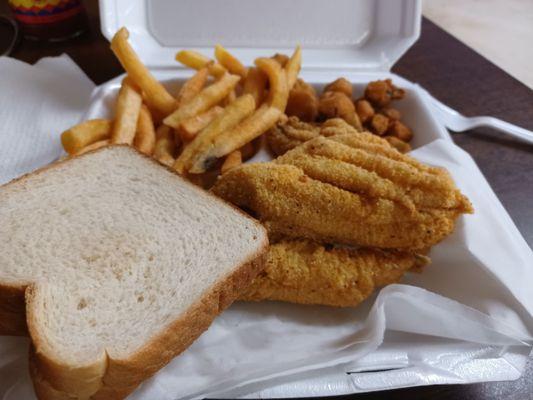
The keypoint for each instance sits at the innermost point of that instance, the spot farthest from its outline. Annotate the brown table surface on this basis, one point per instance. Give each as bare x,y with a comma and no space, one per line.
457,76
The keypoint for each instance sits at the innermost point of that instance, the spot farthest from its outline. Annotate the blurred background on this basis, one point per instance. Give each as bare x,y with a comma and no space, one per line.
500,30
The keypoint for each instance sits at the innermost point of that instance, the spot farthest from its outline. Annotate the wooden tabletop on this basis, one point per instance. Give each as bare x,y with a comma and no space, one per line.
454,74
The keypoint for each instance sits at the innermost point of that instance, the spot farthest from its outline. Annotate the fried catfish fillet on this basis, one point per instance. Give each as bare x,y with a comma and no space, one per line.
289,134
347,190
305,272
292,132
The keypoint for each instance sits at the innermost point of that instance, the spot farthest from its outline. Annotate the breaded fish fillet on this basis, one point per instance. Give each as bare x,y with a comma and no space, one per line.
349,191
305,272
288,134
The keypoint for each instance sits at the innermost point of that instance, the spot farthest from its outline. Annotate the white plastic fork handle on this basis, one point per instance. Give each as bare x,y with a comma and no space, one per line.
503,126
457,122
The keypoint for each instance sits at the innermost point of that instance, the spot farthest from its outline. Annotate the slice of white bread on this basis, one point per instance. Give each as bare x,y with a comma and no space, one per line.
118,265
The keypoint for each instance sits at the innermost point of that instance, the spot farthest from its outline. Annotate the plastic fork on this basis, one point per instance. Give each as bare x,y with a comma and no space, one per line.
457,122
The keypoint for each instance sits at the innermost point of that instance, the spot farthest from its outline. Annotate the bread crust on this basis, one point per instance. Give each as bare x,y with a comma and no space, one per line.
109,378
121,377
12,310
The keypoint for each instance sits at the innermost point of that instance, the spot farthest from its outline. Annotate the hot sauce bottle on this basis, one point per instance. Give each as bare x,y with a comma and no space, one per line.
52,20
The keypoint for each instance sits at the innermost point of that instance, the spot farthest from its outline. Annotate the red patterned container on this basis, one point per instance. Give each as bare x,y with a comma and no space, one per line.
49,19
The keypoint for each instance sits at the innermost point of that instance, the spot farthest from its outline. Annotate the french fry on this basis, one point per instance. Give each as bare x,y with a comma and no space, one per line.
84,134
283,59
92,146
190,127
230,62
255,84
156,95
144,140
264,118
127,111
230,98
293,66
165,146
193,86
279,91
233,159
203,101
232,115
197,61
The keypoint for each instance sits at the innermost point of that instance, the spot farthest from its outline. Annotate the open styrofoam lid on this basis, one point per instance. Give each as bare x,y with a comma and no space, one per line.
367,35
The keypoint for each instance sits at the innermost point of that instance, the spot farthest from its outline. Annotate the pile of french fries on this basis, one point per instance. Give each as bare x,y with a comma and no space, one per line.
211,123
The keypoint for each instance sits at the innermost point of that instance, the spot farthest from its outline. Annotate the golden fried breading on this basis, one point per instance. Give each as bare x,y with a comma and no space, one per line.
379,124
338,126
380,93
364,110
338,105
305,272
342,85
400,130
345,190
289,134
398,144
286,135
391,113
303,102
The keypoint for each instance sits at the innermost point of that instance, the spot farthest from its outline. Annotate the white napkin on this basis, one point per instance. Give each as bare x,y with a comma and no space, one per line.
36,104
467,318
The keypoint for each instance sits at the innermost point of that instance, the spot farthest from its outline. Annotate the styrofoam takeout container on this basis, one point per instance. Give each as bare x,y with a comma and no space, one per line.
359,40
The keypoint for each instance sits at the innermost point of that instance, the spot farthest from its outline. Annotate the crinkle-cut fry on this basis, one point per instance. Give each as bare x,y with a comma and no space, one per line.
127,110
195,60
233,159
306,272
165,146
92,146
255,84
279,90
190,127
293,67
396,171
347,176
255,125
229,61
207,98
232,115
192,86
144,140
155,93
292,204
79,136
